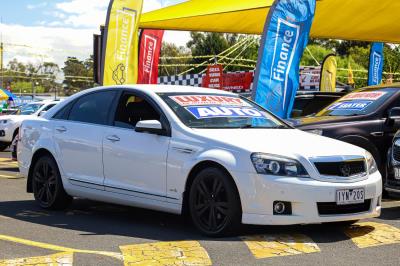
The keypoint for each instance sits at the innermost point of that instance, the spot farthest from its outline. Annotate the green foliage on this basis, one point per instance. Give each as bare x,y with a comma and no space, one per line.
172,50
78,75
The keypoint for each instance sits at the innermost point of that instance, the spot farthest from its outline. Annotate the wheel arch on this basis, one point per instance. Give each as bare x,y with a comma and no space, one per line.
38,154
197,168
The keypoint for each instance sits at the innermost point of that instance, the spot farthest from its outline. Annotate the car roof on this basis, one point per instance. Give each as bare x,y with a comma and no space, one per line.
379,87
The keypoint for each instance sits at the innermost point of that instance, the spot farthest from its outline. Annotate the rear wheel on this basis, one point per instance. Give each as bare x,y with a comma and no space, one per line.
214,203
47,185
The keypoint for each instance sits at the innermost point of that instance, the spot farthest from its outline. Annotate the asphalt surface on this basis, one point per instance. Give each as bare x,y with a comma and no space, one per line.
93,233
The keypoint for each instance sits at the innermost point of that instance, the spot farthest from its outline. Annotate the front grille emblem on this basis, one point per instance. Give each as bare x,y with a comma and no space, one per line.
345,170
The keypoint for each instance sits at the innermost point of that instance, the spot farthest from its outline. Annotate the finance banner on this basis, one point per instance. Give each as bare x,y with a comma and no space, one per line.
375,64
149,56
121,41
285,37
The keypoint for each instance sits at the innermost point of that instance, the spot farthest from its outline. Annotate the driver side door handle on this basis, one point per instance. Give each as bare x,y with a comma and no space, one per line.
113,138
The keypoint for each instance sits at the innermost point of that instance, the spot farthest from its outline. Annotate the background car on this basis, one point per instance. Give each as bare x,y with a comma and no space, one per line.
367,118
9,124
310,102
221,158
392,184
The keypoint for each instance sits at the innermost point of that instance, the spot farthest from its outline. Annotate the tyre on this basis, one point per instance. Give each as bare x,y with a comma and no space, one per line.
3,146
214,203
47,186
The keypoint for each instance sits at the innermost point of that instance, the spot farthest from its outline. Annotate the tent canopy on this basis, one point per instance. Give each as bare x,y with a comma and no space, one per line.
371,20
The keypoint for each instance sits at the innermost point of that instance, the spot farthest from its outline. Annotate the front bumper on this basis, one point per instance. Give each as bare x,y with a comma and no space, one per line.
258,192
5,134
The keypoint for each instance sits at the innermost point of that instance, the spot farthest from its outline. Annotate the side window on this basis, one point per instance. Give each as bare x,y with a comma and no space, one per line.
64,112
93,108
132,109
48,107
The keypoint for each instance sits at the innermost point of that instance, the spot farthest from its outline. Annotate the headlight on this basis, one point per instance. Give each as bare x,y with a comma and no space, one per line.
372,167
3,121
268,164
318,132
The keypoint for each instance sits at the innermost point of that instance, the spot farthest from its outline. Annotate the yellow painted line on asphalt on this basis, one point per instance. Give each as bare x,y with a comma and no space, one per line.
114,255
370,234
10,177
60,259
166,253
268,246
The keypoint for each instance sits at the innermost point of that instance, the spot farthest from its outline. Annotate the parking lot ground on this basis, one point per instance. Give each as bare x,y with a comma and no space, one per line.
93,233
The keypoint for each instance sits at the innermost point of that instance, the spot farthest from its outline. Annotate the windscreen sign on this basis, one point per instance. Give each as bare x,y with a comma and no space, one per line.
209,106
284,40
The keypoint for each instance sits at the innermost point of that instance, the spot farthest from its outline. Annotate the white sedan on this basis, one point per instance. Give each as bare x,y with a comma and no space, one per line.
221,158
9,124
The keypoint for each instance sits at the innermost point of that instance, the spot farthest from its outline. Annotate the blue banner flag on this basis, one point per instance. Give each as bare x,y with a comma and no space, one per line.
285,37
375,64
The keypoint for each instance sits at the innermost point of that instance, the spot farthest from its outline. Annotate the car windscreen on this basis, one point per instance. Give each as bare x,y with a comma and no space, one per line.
358,103
29,109
219,111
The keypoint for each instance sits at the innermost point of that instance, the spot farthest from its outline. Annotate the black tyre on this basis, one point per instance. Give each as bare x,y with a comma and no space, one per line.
47,185
214,203
3,146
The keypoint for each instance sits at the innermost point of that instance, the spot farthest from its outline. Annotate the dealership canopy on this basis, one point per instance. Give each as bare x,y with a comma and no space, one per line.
371,20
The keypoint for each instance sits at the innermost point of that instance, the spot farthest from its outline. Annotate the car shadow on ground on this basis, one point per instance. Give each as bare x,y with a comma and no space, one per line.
94,218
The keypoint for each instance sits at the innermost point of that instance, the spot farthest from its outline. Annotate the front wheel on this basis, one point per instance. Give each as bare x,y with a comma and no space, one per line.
47,186
214,203
3,146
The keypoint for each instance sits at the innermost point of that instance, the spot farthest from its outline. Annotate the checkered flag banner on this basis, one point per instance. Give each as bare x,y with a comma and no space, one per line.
309,79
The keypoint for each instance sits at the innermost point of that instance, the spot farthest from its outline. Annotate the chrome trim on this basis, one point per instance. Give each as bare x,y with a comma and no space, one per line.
183,150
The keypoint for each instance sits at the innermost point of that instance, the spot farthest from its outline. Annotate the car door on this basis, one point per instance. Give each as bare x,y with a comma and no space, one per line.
78,136
135,163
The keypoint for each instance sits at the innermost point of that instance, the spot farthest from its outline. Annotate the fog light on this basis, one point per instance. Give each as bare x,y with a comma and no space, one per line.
282,208
279,207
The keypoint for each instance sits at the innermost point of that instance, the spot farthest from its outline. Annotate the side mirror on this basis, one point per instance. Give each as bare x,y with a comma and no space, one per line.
150,126
394,113
42,113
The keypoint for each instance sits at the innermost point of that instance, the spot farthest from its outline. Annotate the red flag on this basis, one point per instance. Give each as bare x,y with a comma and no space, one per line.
149,56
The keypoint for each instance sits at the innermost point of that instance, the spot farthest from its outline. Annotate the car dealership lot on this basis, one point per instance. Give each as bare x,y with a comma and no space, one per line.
91,233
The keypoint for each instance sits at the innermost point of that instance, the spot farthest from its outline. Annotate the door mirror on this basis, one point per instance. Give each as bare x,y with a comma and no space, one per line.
42,113
394,113
150,126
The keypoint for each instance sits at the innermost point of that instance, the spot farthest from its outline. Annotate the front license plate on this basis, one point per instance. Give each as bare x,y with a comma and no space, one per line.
350,196
397,173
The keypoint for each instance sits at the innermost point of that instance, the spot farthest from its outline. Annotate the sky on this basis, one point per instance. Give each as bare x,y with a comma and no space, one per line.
50,30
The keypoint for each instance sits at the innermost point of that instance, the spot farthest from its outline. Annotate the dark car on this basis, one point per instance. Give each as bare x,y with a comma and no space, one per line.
309,103
392,183
367,118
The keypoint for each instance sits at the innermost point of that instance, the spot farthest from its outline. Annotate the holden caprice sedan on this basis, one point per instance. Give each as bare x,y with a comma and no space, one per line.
214,155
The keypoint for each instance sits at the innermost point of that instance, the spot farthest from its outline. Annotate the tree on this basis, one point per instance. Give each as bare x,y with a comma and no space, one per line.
172,50
78,74
212,44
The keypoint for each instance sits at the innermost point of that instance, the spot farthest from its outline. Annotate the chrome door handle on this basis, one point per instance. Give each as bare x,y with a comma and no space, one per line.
61,129
113,138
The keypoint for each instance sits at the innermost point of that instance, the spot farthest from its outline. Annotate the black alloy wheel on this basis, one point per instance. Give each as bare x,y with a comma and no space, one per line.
47,185
214,203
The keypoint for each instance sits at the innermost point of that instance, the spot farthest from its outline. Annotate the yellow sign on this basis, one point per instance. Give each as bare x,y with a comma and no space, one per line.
120,58
328,74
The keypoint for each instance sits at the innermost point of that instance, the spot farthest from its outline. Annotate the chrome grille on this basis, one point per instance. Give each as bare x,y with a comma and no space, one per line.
342,169
396,153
